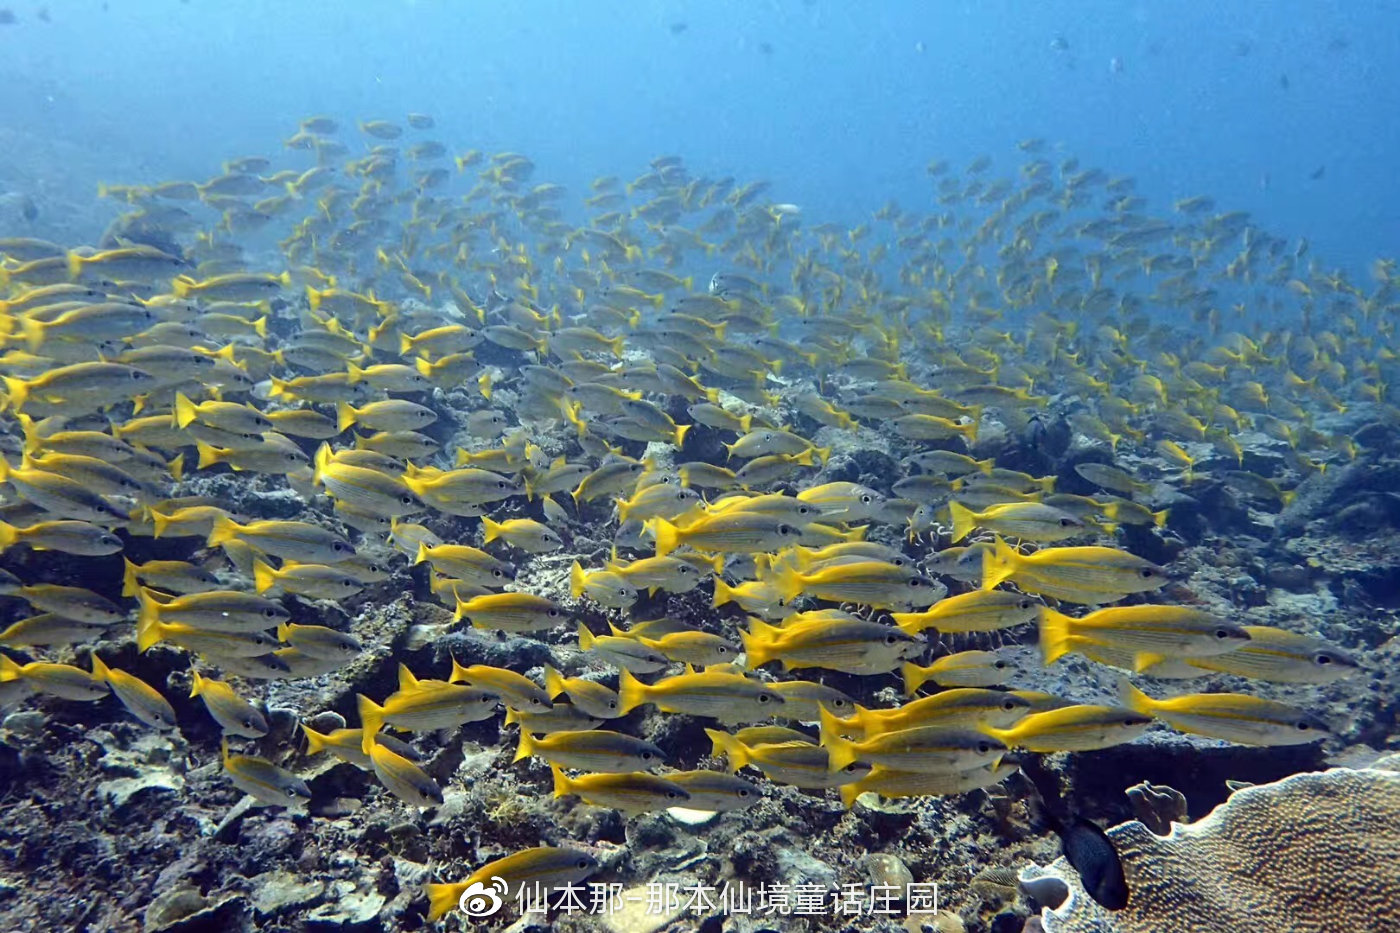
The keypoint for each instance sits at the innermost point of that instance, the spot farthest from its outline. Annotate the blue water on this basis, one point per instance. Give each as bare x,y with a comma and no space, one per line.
841,105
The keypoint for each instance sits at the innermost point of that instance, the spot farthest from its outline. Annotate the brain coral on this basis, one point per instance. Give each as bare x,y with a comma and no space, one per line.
1313,853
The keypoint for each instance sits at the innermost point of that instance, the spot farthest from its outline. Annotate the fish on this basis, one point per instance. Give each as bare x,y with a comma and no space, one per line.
298,541
543,868
421,705
959,706
1090,575
727,697
71,537
524,533
622,652
975,611
876,584
235,715
962,669
347,745
715,791
510,612
47,629
1078,727
264,781
1152,633
798,763
515,690
1234,717
60,680
929,749
592,750
401,776
1279,656
593,698
853,646
1028,521
632,792
214,610
140,698
71,602
605,587
319,641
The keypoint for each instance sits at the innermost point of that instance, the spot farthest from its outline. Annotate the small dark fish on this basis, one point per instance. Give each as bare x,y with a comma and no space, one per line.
1283,81
28,209
1318,172
7,18
1085,845
1059,44
1092,854
766,48
678,28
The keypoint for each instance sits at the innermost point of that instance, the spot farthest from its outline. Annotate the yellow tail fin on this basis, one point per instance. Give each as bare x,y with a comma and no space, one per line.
264,577
631,692
1055,634
371,720
964,520
316,742
914,677
998,564
526,747
148,630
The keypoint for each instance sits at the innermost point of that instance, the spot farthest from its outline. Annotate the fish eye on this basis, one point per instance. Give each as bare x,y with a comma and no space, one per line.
852,767
269,613
890,639
743,792
983,747
1066,522
722,649
1025,604
340,547
763,698
581,864
1147,573
1009,705
405,500
502,484
999,665
670,795
552,613
1222,633
646,756
915,581
1323,659
785,529
247,723
612,704
1303,726
865,499
498,573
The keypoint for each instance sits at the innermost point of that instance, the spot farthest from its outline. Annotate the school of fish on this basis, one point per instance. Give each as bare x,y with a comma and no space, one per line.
452,364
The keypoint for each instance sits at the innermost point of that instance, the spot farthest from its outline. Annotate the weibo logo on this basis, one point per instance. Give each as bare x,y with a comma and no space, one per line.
482,899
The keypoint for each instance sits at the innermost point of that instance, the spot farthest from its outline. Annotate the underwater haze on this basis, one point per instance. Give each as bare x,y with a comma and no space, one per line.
877,467
841,105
